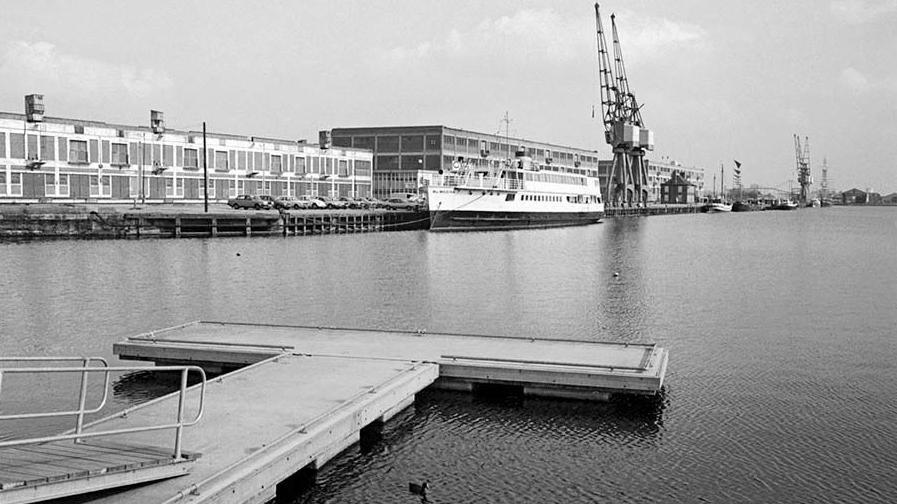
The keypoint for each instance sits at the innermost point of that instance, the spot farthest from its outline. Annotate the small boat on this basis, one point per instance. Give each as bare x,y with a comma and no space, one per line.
814,203
717,205
745,206
784,205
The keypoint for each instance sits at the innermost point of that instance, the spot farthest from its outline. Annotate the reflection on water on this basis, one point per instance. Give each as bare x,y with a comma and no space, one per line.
494,442
623,306
780,327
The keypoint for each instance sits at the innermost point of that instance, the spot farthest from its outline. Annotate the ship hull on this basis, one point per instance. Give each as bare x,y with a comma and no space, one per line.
460,220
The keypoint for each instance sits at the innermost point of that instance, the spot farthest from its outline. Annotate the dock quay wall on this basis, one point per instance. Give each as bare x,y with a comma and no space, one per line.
621,211
181,221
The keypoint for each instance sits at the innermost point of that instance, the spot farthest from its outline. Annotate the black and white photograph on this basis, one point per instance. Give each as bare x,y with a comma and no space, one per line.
421,251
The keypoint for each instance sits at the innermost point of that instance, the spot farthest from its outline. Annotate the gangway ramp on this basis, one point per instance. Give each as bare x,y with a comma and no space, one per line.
267,421
65,468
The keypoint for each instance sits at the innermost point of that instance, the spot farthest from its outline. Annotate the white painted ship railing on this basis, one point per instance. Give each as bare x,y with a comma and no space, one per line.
479,181
84,370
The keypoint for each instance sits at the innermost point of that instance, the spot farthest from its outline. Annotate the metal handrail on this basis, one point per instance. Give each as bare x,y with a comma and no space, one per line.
82,398
79,434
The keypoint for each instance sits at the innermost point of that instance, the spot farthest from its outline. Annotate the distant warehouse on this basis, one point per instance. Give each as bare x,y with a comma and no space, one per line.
46,159
405,156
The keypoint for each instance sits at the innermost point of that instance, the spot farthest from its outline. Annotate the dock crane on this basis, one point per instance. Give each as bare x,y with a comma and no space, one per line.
802,154
624,130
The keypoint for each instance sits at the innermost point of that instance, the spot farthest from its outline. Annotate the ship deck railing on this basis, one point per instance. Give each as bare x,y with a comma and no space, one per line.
479,181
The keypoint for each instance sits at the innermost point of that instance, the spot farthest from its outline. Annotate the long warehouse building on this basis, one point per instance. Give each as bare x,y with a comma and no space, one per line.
50,159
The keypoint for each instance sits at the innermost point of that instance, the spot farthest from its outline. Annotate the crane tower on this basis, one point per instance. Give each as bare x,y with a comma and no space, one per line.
802,154
624,130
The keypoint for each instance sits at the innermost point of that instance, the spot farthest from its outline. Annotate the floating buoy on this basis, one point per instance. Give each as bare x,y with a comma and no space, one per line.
616,274
238,254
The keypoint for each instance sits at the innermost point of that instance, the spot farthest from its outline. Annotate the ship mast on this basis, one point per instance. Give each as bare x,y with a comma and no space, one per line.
507,121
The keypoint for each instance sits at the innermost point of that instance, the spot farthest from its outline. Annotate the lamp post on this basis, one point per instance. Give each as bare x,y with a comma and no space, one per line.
205,169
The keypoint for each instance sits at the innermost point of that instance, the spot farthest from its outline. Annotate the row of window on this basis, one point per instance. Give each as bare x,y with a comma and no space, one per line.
82,152
575,198
473,145
554,178
101,186
391,143
386,144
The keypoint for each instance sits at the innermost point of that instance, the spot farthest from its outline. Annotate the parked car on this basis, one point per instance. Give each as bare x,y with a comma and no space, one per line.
373,202
249,201
351,202
333,203
401,204
312,201
267,197
289,202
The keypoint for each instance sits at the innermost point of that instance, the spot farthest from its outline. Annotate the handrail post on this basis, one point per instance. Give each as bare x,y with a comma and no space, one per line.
82,399
180,424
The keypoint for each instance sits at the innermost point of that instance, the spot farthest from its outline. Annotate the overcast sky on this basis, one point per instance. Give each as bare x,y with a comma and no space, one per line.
719,80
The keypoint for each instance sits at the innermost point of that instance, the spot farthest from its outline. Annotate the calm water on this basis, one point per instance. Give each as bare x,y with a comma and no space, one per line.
780,325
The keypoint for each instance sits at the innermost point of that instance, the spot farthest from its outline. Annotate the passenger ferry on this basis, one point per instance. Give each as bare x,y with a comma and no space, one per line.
514,194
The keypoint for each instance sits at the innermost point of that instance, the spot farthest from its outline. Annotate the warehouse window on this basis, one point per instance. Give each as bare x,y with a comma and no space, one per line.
15,184
432,143
48,148
50,185
300,165
412,143
210,188
62,185
119,154
78,152
363,142
100,186
17,146
276,163
221,161
387,162
32,147
343,168
190,159
362,168
388,144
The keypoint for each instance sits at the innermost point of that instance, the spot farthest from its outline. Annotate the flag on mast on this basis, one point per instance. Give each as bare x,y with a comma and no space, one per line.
737,175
